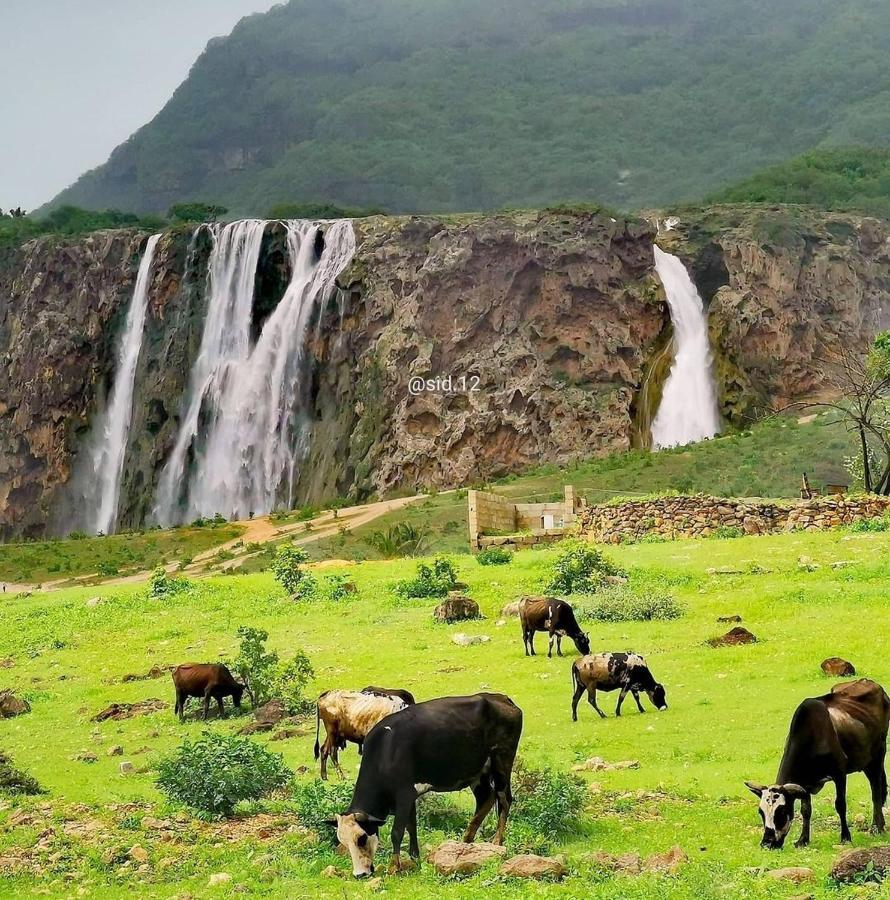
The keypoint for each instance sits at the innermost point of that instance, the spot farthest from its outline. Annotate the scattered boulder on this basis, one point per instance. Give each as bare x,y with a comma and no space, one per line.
528,865
7,663
733,637
623,864
13,781
93,602
118,711
85,756
511,610
219,878
853,864
331,872
456,858
127,768
116,750
456,608
794,874
837,667
11,706
285,734
598,764
667,862
271,713
728,620
154,672
137,853
469,640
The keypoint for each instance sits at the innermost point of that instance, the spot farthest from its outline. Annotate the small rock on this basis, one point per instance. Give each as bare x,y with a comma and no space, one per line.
469,640
794,874
127,768
851,865
138,854
529,865
11,706
667,862
733,637
85,756
116,750
7,663
837,667
729,619
624,864
456,858
219,878
598,764
511,610
331,872
375,884
93,602
457,608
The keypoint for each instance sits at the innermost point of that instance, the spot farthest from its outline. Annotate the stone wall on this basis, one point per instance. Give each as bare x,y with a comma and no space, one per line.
496,520
676,517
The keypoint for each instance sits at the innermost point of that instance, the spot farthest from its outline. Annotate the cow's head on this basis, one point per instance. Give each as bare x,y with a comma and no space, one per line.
658,696
237,694
582,642
777,811
357,832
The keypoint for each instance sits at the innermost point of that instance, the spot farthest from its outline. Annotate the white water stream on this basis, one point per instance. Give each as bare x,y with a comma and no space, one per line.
688,411
244,428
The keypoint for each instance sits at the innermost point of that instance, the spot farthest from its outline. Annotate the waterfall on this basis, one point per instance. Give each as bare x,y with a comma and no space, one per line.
113,428
244,427
688,411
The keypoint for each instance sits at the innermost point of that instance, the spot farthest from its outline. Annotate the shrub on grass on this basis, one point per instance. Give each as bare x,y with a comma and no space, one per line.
865,526
216,772
290,682
728,531
622,605
161,585
266,677
336,587
580,568
317,801
548,803
290,574
494,556
435,581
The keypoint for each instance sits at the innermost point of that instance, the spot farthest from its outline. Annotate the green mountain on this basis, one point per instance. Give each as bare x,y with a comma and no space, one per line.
847,178
442,105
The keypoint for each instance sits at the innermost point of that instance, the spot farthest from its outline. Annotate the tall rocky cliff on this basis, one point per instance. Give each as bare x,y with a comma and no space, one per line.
553,319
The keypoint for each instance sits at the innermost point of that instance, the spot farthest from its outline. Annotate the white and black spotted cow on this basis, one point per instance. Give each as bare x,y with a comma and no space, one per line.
626,672
830,737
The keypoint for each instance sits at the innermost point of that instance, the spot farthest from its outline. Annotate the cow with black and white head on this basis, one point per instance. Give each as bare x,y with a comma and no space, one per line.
357,832
776,810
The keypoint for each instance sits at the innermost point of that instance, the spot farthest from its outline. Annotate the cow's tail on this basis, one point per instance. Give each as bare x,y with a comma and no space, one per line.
574,677
317,729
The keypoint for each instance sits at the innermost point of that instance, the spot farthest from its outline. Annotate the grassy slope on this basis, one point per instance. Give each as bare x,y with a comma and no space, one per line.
729,711
52,560
765,462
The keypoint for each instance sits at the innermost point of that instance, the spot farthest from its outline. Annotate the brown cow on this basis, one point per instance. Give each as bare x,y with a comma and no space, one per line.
554,616
348,716
207,680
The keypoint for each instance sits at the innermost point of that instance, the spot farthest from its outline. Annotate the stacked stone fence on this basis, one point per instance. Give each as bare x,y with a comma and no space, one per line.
700,516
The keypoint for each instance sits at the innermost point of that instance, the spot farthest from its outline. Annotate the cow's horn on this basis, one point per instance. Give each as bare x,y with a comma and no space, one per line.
755,788
795,790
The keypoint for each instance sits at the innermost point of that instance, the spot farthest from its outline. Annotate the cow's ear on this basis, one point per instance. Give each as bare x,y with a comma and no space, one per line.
370,824
332,822
757,789
362,840
795,790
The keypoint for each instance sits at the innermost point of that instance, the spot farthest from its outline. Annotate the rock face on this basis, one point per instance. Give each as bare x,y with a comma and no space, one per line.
547,323
456,608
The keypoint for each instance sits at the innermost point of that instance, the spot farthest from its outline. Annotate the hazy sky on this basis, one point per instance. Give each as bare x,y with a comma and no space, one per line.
77,77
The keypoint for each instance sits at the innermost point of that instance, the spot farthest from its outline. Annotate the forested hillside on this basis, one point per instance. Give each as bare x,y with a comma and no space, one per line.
477,104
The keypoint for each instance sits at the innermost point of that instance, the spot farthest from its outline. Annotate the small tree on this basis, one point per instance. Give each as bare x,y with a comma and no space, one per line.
196,212
579,568
255,665
289,572
291,680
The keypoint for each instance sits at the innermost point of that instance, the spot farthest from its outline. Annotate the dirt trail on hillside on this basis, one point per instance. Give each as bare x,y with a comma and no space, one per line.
256,531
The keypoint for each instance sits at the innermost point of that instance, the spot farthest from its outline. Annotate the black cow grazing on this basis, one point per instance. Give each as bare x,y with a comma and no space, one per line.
553,616
207,680
830,737
611,671
407,696
441,745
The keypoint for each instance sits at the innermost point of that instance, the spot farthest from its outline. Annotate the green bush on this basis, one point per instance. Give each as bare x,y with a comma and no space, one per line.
728,531
623,605
161,585
317,801
429,582
402,539
336,587
288,571
580,568
865,526
266,677
215,773
290,683
494,556
548,803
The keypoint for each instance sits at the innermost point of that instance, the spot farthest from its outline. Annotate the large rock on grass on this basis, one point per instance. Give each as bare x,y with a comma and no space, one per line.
837,667
457,608
456,858
734,637
854,864
529,865
11,706
469,640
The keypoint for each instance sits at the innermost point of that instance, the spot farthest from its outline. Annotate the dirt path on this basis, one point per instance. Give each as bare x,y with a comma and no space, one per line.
256,531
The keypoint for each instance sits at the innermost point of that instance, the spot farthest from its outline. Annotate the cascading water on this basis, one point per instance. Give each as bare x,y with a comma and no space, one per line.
688,411
110,433
242,433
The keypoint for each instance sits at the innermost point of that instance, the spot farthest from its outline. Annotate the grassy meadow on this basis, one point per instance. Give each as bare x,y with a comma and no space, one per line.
728,715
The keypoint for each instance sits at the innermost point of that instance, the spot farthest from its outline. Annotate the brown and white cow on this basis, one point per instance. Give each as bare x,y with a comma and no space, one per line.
830,737
626,672
554,616
348,716
212,681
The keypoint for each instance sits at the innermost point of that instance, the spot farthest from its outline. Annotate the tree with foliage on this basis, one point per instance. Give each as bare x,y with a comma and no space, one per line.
401,539
435,581
196,212
289,572
265,676
580,568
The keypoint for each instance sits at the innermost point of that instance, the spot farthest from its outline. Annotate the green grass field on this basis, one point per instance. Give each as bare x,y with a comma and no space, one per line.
728,717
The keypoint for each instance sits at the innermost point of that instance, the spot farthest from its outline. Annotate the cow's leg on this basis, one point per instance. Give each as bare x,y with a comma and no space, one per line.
840,805
404,806
550,646
579,690
222,709
335,758
485,797
325,752
559,644
361,745
206,704
531,642
591,699
806,811
636,696
877,781
181,700
413,844
505,801
621,697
